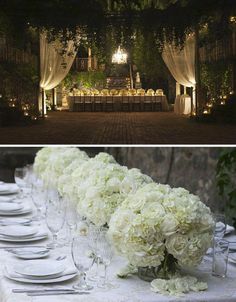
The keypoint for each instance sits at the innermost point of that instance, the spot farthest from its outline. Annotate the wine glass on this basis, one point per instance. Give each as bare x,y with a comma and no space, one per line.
93,234
55,215
39,198
80,251
28,175
19,176
105,254
71,218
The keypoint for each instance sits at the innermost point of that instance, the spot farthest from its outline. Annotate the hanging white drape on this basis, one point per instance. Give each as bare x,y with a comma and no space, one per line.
181,62
53,65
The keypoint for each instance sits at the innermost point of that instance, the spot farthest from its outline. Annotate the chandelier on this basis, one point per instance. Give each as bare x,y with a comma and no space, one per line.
120,56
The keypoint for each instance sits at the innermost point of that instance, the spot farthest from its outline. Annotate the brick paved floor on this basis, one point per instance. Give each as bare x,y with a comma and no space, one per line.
118,128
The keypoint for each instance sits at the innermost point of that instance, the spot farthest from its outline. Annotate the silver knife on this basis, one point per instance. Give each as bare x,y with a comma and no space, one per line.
55,293
22,246
22,290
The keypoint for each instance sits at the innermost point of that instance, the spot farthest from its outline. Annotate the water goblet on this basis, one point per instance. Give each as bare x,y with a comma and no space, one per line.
93,234
105,254
71,218
55,216
38,196
80,251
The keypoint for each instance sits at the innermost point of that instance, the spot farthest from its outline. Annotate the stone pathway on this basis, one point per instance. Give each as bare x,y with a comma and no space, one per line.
118,128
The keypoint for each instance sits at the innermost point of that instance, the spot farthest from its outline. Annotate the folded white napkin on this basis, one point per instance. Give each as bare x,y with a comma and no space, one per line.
229,229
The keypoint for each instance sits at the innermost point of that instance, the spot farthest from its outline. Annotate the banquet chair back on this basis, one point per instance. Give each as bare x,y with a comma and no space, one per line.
109,103
78,103
88,103
125,103
98,103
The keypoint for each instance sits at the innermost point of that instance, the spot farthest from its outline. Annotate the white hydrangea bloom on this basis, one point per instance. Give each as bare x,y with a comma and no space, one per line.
156,220
50,162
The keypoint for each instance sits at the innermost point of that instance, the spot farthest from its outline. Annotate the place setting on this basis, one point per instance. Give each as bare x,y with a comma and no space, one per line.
14,208
22,233
40,271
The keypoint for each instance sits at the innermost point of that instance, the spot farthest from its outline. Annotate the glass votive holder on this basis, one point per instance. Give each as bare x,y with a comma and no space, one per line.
220,258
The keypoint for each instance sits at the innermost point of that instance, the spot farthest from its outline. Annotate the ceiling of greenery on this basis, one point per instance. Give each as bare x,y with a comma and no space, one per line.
118,20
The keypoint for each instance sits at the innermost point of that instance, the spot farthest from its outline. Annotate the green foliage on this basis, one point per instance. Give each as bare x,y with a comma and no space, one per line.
148,59
226,181
90,79
93,19
216,78
18,81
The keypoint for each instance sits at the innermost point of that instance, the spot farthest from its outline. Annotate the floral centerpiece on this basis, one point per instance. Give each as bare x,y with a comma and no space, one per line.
51,162
159,229
99,185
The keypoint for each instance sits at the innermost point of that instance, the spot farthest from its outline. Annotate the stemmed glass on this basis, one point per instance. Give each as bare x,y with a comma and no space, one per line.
71,218
55,215
105,254
80,251
19,176
93,235
39,198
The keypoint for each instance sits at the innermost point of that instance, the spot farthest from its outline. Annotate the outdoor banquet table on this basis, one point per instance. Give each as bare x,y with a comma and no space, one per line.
131,289
182,104
118,100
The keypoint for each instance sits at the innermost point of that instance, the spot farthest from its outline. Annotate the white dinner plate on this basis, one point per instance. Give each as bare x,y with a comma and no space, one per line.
9,207
232,246
18,231
15,220
6,189
232,258
40,268
7,198
31,253
37,236
25,210
65,277
8,186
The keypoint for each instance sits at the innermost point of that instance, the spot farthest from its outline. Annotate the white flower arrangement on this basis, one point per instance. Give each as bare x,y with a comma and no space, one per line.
152,225
157,221
50,162
99,185
41,160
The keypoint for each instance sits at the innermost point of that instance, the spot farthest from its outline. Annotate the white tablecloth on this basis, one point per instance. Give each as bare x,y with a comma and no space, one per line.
182,104
126,290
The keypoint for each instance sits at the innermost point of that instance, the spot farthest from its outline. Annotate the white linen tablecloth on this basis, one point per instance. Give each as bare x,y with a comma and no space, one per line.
131,289
182,105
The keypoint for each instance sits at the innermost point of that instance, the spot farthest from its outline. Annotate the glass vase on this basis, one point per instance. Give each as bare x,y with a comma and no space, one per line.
164,271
